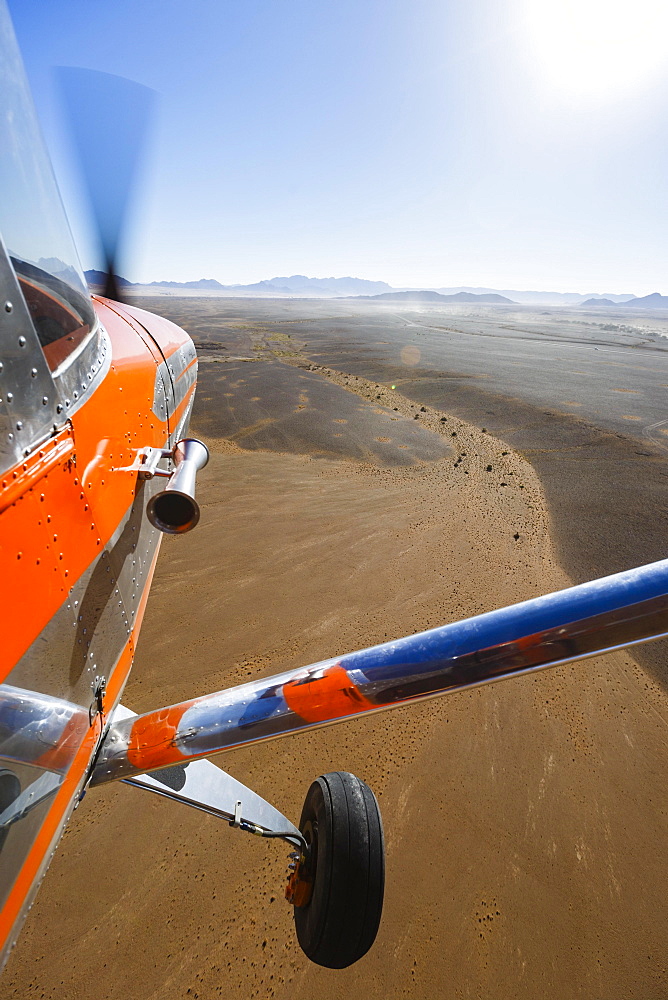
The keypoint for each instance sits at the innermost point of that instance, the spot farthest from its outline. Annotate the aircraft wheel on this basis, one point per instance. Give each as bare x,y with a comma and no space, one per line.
344,871
10,789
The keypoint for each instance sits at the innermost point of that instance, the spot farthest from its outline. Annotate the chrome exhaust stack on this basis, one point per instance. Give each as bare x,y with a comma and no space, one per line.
174,510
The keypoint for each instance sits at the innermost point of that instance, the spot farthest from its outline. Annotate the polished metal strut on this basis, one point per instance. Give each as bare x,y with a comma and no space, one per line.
596,617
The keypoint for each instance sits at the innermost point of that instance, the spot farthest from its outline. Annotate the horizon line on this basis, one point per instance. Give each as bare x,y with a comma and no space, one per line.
398,288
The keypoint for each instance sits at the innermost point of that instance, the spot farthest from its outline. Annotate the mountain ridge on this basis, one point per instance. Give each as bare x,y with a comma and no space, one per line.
427,295
653,301
294,284
300,285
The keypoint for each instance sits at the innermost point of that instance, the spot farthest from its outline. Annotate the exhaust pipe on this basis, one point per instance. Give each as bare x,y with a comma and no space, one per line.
175,510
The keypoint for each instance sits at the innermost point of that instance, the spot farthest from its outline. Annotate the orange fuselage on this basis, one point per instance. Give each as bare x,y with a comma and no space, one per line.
79,555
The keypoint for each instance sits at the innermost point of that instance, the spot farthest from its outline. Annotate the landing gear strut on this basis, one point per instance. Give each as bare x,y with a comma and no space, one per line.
339,878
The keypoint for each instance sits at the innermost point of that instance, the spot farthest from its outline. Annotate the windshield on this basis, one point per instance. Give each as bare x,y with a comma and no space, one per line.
32,218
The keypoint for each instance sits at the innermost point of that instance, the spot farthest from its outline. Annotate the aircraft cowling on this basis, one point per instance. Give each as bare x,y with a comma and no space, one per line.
176,355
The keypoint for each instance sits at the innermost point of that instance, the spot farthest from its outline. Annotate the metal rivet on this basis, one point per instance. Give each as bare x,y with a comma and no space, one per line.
11,437
33,372
8,307
1,366
45,400
22,340
67,402
19,425
10,396
76,394
59,408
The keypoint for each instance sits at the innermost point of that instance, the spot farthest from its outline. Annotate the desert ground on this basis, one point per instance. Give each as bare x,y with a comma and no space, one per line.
347,501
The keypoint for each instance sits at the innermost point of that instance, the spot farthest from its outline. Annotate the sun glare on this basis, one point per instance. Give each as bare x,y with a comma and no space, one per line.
595,50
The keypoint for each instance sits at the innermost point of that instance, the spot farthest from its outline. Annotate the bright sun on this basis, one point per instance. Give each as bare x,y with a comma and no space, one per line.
595,50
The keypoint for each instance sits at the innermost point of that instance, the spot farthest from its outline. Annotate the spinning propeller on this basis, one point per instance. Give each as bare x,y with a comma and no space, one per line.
109,119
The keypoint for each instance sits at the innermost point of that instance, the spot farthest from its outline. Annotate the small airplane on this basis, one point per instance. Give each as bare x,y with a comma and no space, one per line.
95,465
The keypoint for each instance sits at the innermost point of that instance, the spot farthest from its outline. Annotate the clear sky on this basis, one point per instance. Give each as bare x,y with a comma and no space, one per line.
504,143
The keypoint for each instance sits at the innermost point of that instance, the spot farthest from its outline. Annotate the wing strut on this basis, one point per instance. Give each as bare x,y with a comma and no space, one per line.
205,786
573,624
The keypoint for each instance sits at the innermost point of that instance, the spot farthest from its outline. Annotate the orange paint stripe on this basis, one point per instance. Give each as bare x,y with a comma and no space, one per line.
327,697
151,742
143,601
167,722
83,515
51,827
187,369
27,474
180,409
49,831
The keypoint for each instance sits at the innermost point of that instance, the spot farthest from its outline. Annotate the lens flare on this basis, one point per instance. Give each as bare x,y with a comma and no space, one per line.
594,50
410,355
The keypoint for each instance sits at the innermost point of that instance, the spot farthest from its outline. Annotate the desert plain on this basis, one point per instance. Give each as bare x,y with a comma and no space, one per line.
375,472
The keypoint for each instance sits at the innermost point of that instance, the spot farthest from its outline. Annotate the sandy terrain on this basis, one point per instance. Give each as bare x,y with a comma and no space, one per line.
525,821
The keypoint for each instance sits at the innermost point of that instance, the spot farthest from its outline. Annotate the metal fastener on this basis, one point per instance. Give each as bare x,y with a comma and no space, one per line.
8,307
22,340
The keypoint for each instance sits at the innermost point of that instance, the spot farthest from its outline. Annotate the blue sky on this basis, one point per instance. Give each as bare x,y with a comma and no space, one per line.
506,143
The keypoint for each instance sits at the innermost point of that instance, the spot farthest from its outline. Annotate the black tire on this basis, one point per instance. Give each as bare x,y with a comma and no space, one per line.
341,822
10,789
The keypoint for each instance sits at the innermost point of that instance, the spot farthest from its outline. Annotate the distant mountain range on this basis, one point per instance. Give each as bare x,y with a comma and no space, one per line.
540,298
653,301
429,296
296,284
299,285
97,279
328,286
205,283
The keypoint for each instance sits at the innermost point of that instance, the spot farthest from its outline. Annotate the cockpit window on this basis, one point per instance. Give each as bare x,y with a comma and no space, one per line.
58,311
32,218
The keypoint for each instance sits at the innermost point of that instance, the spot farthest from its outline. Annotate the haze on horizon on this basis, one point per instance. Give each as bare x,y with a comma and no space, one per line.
507,144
